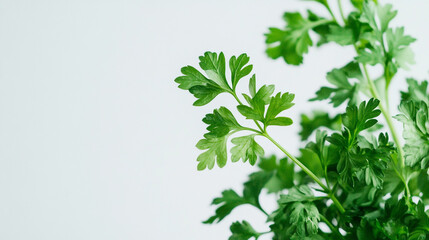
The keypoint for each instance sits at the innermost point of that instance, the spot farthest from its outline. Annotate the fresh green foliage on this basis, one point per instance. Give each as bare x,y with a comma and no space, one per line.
318,119
243,231
294,41
344,90
353,175
230,199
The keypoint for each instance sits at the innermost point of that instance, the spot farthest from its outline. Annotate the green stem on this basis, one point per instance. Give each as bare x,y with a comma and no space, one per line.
331,226
239,102
386,115
388,118
340,6
384,110
308,172
330,10
320,22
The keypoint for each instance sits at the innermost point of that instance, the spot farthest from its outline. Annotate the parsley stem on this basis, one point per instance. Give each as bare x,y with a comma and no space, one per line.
386,115
308,171
239,102
340,6
388,118
331,226
384,111
330,11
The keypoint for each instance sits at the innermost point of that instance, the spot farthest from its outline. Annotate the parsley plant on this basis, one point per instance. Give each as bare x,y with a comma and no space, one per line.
355,175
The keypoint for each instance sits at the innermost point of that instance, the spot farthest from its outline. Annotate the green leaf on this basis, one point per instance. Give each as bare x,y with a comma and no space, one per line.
220,122
255,184
292,42
278,104
302,193
311,160
252,86
358,4
415,119
398,49
238,68
214,66
192,77
385,15
417,92
205,94
309,123
305,218
280,121
256,110
372,13
353,159
228,201
371,56
342,35
216,152
242,231
327,154
246,149
343,90
360,118
283,173
205,89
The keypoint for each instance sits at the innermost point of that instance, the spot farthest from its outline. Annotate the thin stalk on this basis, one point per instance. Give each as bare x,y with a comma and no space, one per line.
308,172
386,115
239,102
340,6
330,10
385,111
331,226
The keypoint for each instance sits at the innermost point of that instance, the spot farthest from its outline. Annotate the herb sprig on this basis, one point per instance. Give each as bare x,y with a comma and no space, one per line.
351,175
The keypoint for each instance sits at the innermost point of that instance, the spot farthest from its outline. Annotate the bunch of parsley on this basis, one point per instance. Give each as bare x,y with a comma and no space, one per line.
362,182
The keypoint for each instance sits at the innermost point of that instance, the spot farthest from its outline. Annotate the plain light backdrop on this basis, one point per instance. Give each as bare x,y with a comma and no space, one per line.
97,141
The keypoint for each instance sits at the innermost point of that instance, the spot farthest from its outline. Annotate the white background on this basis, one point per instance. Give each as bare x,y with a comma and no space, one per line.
97,141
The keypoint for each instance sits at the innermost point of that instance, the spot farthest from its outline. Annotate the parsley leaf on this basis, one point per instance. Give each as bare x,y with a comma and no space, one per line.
292,42
256,110
283,173
205,89
309,123
221,124
230,199
344,90
415,118
242,231
298,194
377,16
239,69
416,92
216,152
276,105
214,67
304,217
246,148
352,158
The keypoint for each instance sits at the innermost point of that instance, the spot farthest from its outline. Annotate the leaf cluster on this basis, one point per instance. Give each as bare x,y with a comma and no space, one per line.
354,178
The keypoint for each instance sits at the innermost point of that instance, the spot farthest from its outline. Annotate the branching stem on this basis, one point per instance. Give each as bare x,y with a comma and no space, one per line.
384,110
308,172
331,226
